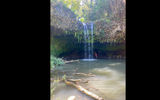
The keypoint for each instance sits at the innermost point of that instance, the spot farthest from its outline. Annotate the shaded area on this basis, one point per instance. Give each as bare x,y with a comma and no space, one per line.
68,47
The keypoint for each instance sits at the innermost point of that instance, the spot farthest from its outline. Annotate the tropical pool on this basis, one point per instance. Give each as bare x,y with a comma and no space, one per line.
108,82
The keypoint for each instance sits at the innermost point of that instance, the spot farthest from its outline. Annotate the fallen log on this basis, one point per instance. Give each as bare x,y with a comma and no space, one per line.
75,80
78,80
83,74
70,61
80,88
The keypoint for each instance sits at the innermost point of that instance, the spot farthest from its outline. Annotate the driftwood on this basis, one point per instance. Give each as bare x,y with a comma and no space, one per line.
70,61
75,80
51,79
83,74
80,88
78,80
71,98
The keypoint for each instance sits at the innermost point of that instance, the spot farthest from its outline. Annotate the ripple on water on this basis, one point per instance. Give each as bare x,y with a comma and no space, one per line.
88,59
110,83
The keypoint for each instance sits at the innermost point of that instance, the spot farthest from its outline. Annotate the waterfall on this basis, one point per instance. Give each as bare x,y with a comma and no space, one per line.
91,40
85,40
88,41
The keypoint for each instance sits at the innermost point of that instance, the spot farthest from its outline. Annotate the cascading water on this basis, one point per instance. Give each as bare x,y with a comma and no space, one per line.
88,43
92,40
85,40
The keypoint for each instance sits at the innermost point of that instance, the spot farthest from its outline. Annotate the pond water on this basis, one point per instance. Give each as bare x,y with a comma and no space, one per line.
108,82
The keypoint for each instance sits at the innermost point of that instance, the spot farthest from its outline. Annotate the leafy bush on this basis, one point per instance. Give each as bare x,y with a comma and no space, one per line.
56,62
81,19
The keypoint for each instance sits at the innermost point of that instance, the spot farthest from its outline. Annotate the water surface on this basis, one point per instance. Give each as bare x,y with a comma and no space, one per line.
109,81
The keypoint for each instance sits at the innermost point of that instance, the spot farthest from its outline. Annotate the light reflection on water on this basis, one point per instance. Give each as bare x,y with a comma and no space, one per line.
88,59
109,80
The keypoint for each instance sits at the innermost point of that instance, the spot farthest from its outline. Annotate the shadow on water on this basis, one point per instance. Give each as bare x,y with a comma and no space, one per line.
109,81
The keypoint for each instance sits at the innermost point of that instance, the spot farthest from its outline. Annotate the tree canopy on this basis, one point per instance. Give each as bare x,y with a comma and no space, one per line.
108,17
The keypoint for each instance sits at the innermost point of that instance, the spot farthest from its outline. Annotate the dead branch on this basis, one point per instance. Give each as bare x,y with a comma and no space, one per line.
83,74
70,61
80,88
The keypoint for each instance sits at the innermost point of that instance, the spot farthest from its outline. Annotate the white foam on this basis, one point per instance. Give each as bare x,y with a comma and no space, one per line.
88,59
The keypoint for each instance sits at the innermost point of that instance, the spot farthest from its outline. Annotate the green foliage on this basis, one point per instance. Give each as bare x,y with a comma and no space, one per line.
64,77
58,46
82,19
115,48
99,10
53,86
65,44
108,20
75,6
104,13
79,35
55,62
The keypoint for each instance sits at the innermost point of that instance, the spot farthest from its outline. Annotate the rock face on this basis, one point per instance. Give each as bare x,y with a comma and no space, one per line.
63,18
66,30
68,47
110,32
